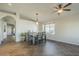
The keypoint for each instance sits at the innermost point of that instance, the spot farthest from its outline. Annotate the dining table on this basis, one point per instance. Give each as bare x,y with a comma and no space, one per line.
34,35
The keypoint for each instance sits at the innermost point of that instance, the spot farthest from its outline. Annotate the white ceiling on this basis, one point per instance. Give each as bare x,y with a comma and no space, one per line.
45,10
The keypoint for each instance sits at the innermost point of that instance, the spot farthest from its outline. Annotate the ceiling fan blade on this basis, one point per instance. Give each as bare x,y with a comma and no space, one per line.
56,7
67,5
60,5
53,12
67,9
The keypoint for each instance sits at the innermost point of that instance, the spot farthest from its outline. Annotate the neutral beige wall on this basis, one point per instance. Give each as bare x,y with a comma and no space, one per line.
67,30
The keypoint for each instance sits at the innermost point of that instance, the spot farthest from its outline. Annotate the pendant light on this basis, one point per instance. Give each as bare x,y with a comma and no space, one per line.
37,18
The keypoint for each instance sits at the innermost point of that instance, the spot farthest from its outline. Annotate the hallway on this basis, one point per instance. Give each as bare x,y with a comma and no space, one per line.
9,39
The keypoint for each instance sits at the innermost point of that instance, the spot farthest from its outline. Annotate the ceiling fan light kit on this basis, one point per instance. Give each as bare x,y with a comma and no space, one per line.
60,11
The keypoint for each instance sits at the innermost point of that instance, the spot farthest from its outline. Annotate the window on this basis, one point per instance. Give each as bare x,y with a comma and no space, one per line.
49,28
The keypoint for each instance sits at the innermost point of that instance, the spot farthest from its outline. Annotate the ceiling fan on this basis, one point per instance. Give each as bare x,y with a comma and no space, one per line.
60,8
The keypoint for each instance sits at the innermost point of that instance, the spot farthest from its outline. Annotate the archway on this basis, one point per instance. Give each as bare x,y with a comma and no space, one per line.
8,29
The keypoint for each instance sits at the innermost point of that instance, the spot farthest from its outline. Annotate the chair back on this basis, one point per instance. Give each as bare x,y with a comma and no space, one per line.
43,35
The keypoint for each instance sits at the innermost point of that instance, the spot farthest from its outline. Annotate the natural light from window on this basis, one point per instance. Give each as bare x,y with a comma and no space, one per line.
49,28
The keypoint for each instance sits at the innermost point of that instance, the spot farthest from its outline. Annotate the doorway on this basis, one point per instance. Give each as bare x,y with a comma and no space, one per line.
8,29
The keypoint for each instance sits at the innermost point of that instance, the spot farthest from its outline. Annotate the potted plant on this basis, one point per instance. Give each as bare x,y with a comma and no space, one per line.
23,36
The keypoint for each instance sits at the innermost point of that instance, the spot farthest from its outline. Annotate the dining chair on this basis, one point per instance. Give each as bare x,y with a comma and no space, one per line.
44,36
30,38
39,37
